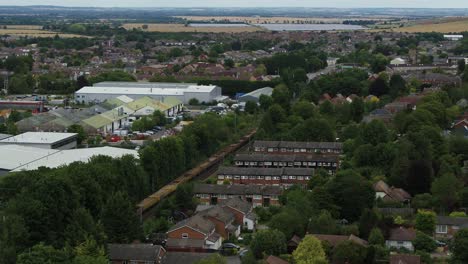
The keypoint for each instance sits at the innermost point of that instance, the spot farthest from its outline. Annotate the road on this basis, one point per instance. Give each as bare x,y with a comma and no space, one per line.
233,260
313,75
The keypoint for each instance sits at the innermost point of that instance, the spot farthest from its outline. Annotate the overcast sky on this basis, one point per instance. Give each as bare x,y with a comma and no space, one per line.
247,3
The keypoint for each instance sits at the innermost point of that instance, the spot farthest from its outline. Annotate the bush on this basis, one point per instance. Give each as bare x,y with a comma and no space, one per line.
424,243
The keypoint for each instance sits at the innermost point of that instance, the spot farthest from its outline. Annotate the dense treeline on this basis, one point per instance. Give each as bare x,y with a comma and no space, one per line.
68,214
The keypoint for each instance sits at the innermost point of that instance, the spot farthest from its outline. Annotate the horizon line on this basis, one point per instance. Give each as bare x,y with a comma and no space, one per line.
240,7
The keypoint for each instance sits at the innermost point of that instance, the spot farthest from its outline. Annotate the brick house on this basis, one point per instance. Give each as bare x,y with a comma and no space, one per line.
405,259
136,253
390,194
243,212
292,147
401,237
284,177
327,162
193,234
256,195
447,227
223,219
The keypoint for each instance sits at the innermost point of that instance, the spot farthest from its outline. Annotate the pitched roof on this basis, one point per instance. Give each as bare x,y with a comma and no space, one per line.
266,171
393,194
285,158
453,221
219,213
405,259
237,189
196,222
294,144
140,252
402,234
238,204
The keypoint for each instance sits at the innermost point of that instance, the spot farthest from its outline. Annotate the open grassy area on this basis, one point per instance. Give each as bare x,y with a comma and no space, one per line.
183,28
441,26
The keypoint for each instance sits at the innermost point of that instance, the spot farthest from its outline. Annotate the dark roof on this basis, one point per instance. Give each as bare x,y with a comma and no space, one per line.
266,171
140,252
294,144
295,240
196,222
393,194
185,243
453,221
285,158
184,257
405,259
402,234
238,204
275,260
237,189
220,213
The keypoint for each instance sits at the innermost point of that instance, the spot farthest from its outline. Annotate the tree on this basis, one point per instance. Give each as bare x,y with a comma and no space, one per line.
424,243
251,107
425,221
193,101
397,85
309,251
379,62
41,253
357,109
120,220
289,222
281,96
375,133
313,130
376,237
379,87
422,201
459,246
213,259
352,193
270,242
445,191
229,63
323,224
265,101
349,252
367,222
75,128
13,238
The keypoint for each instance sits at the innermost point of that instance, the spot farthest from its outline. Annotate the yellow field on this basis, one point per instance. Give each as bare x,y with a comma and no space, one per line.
34,27
34,33
436,26
269,20
183,28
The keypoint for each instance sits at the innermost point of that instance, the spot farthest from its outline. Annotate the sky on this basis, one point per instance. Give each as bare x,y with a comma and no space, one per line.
248,3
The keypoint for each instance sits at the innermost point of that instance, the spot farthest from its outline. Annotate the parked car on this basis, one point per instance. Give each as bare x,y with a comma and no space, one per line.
230,245
150,132
243,252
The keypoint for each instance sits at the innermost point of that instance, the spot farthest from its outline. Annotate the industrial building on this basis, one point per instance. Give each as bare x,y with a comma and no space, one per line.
159,91
254,96
25,158
44,140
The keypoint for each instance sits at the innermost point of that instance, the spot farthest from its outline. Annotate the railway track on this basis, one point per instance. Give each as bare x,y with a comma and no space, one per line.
207,167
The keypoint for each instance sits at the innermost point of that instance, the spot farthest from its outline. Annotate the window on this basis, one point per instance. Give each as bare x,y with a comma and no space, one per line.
268,178
244,177
221,177
284,177
184,235
292,177
441,229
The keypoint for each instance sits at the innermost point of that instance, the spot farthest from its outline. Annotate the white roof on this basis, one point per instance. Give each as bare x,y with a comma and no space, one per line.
453,36
125,99
65,157
146,91
37,138
14,156
145,85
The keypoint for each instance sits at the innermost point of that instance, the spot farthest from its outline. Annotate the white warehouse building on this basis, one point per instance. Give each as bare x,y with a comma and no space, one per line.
182,91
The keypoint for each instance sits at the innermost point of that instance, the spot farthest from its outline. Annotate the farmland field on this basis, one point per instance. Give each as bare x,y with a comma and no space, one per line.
183,28
441,26
31,31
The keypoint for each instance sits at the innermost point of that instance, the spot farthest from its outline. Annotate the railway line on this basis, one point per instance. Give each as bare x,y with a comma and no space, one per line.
207,167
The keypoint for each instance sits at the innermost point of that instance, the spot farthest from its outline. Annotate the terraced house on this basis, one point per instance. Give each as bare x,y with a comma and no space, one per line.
284,177
292,147
327,162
